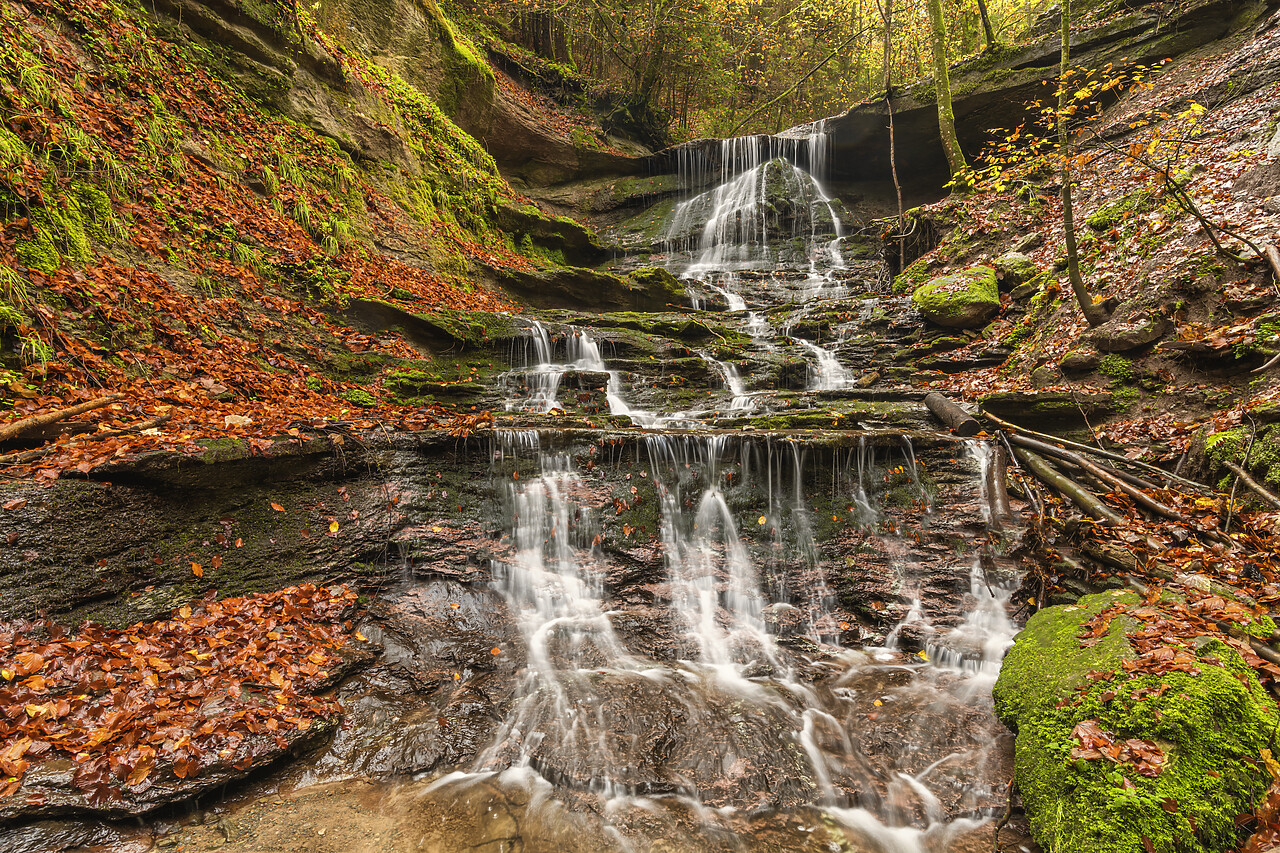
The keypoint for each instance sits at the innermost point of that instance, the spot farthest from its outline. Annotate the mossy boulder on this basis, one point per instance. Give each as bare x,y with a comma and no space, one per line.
964,300
1123,334
1014,268
659,285
1210,723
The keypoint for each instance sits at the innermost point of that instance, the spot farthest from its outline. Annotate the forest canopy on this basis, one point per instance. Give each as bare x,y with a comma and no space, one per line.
723,67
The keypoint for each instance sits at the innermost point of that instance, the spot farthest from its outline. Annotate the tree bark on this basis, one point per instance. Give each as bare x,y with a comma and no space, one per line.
946,117
1092,313
888,105
986,23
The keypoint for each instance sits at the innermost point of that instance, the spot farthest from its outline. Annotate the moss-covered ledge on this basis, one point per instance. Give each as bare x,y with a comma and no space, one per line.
1211,725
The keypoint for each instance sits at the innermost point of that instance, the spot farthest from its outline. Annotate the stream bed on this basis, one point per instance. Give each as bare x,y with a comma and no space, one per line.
660,621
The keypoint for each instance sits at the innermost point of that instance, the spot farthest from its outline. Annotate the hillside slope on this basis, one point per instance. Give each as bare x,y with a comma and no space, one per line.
218,212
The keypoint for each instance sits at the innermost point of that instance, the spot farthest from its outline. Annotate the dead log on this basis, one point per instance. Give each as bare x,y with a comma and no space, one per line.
1139,496
36,421
1097,451
32,455
952,415
1253,484
999,493
1068,488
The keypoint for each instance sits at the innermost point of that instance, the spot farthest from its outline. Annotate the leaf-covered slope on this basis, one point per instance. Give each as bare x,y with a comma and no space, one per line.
190,197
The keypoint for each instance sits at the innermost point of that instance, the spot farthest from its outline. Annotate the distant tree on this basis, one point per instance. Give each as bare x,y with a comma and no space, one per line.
986,23
946,118
1093,313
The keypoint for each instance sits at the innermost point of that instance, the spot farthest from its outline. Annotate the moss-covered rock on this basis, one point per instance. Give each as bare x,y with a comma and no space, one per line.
659,285
1014,268
1210,723
964,300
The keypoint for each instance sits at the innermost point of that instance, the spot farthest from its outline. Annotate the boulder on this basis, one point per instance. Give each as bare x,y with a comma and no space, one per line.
1044,376
964,300
1129,333
1185,742
1013,268
1080,361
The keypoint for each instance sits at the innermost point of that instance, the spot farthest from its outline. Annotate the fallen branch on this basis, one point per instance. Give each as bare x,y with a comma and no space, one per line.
1139,496
36,421
1273,258
1068,488
1097,451
951,414
1253,484
30,455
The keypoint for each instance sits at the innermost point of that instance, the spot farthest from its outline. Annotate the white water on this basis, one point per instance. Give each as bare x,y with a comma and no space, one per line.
725,600
827,372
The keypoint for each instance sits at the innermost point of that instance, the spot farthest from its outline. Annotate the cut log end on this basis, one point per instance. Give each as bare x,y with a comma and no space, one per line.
947,411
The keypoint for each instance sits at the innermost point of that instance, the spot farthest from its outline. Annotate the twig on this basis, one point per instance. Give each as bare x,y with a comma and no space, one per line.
36,421
1253,484
1004,818
1094,451
1070,489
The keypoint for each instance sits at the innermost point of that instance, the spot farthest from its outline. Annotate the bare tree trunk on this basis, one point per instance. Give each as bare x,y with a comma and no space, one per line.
946,118
1092,313
888,104
986,23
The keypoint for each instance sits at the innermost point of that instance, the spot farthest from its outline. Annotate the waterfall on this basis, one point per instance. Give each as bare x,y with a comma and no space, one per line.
718,629
770,189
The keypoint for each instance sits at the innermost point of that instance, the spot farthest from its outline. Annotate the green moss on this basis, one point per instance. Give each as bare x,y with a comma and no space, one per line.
916,274
39,254
659,283
965,299
1116,367
95,209
359,397
1211,725
1112,213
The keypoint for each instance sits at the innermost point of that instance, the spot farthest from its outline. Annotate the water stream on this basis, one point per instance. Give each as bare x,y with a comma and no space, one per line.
695,669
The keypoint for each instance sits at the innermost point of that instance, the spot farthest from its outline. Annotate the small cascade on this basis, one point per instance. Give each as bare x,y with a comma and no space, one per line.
826,374
552,584
715,589
541,377
770,194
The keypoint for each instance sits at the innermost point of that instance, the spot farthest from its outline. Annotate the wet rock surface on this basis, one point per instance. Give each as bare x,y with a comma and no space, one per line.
708,583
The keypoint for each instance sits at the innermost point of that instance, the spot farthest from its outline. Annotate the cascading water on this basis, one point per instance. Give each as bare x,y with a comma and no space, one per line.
691,665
